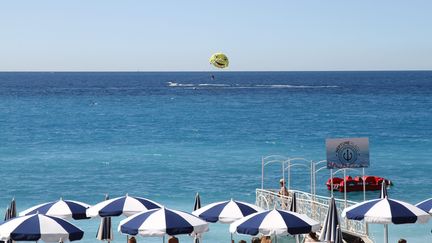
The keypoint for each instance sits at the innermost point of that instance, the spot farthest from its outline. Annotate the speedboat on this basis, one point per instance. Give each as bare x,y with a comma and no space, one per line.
372,183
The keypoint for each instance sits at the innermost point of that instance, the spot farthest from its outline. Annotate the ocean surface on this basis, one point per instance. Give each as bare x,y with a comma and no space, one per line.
166,136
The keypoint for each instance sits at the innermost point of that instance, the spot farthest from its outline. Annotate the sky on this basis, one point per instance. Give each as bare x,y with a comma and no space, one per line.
181,35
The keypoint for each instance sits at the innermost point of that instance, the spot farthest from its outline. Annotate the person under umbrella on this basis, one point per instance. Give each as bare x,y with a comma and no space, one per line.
329,231
39,227
162,222
64,209
275,222
105,230
386,211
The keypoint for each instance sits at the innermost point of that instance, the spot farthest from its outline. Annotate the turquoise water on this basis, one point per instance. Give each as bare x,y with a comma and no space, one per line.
81,135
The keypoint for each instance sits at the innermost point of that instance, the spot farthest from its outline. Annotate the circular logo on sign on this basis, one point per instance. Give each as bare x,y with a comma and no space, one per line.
347,153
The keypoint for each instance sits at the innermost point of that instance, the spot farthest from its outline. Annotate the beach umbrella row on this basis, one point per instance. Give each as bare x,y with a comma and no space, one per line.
156,220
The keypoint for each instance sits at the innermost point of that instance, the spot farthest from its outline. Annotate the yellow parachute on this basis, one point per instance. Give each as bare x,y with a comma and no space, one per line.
219,60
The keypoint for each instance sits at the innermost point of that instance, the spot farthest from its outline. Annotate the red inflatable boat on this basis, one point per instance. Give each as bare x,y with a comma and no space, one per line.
356,184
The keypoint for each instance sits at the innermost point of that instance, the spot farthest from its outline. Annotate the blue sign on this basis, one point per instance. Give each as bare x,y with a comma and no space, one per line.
347,153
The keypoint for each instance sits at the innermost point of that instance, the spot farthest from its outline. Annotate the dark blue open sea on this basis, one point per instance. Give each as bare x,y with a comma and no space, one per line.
166,136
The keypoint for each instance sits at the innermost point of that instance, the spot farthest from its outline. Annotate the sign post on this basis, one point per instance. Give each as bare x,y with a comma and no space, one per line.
343,153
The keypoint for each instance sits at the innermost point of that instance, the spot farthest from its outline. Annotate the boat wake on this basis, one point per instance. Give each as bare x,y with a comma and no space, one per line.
252,86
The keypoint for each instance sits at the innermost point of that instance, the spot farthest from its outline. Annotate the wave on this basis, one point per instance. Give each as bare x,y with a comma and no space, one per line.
282,86
215,85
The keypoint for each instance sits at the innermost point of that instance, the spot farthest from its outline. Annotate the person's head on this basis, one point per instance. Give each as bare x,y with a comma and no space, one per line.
402,241
282,182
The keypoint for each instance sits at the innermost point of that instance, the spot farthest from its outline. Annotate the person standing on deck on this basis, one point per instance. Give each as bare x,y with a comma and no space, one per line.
283,192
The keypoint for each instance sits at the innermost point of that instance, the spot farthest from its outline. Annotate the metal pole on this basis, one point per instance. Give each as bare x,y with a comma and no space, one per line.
283,170
311,177
289,174
314,180
364,185
331,182
345,187
262,172
385,233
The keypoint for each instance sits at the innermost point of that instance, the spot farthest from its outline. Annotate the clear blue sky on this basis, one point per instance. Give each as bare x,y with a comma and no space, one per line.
180,35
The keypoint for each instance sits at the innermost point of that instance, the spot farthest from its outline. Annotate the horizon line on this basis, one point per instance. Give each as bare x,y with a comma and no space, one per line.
207,71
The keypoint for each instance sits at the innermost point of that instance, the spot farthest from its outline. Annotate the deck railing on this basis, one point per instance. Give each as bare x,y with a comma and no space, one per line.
314,206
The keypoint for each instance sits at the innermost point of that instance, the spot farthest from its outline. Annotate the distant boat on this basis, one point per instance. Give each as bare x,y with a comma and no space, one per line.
372,183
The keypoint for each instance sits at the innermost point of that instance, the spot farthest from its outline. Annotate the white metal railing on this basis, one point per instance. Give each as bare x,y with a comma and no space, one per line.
314,206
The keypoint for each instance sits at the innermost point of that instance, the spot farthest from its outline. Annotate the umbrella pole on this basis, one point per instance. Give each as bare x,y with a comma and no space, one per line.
385,233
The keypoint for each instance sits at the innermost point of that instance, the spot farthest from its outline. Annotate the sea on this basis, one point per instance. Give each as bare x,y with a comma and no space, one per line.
169,135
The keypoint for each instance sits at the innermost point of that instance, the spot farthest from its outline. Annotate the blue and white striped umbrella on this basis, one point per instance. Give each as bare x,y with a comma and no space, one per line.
426,205
105,230
125,205
39,227
226,211
386,211
62,208
275,222
329,231
162,221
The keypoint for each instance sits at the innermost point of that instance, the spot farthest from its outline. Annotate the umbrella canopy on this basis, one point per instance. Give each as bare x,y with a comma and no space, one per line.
426,205
197,204
338,236
105,228
383,193
61,208
39,227
329,231
11,213
162,221
386,211
11,210
293,205
275,222
125,205
226,211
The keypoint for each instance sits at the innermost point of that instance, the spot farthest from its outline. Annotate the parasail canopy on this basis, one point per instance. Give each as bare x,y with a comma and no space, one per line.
219,60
